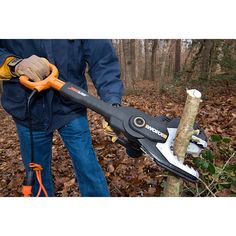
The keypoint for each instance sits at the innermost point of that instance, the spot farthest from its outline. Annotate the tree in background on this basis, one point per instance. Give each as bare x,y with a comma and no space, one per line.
177,57
148,60
162,60
206,58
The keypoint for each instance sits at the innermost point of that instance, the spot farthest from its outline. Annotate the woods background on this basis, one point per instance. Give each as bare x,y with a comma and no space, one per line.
164,61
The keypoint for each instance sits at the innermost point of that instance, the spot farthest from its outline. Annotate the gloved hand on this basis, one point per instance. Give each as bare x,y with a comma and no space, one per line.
36,68
109,131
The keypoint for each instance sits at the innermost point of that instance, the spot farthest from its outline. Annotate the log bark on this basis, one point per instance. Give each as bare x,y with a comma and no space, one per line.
183,136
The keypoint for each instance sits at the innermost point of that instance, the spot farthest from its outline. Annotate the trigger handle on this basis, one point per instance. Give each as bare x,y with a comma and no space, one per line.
51,81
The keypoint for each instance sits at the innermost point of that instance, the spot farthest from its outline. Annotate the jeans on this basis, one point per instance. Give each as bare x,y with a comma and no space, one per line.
77,139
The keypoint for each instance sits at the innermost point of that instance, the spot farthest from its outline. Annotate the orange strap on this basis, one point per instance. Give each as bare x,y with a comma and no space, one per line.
27,190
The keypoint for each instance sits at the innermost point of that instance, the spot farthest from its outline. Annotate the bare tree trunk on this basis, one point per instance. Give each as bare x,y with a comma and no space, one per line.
142,59
122,60
183,135
206,59
166,51
133,60
115,43
154,59
177,57
138,59
171,63
195,59
117,47
128,64
147,70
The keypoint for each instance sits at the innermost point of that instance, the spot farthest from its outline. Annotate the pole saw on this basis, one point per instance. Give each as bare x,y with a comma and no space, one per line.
143,134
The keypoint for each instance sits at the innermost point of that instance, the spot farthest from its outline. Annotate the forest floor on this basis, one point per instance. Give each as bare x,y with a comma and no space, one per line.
126,176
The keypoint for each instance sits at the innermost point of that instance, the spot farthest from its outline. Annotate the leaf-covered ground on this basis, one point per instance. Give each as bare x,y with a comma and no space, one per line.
125,176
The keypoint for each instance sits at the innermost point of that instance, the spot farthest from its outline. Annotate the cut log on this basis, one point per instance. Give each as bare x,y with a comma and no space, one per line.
183,136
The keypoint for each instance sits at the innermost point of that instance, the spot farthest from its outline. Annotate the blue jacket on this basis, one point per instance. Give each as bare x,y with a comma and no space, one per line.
50,110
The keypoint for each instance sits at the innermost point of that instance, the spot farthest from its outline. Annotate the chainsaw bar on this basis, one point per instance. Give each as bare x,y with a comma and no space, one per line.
164,157
162,154
167,151
143,133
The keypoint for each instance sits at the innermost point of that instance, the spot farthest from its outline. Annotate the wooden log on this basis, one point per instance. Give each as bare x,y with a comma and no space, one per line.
183,136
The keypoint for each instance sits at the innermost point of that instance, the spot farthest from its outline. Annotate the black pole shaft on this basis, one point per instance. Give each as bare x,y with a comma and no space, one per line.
83,97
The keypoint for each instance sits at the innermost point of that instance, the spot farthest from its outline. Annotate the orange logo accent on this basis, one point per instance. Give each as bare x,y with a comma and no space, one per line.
77,91
74,89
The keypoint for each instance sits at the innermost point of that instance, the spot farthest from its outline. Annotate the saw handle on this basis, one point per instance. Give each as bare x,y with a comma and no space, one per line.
51,81
70,91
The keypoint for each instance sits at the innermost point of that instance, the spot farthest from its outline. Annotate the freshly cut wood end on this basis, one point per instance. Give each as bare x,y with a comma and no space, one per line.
194,93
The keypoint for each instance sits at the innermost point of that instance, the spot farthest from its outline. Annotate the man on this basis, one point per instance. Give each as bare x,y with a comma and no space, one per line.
52,112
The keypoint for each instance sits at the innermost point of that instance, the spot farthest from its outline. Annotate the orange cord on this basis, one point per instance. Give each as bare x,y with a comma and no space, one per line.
38,168
27,190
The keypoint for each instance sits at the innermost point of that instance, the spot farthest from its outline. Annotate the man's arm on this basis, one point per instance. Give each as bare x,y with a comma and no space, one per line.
104,69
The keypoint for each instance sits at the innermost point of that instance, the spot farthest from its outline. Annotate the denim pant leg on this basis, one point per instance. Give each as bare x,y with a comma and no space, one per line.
42,155
77,138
